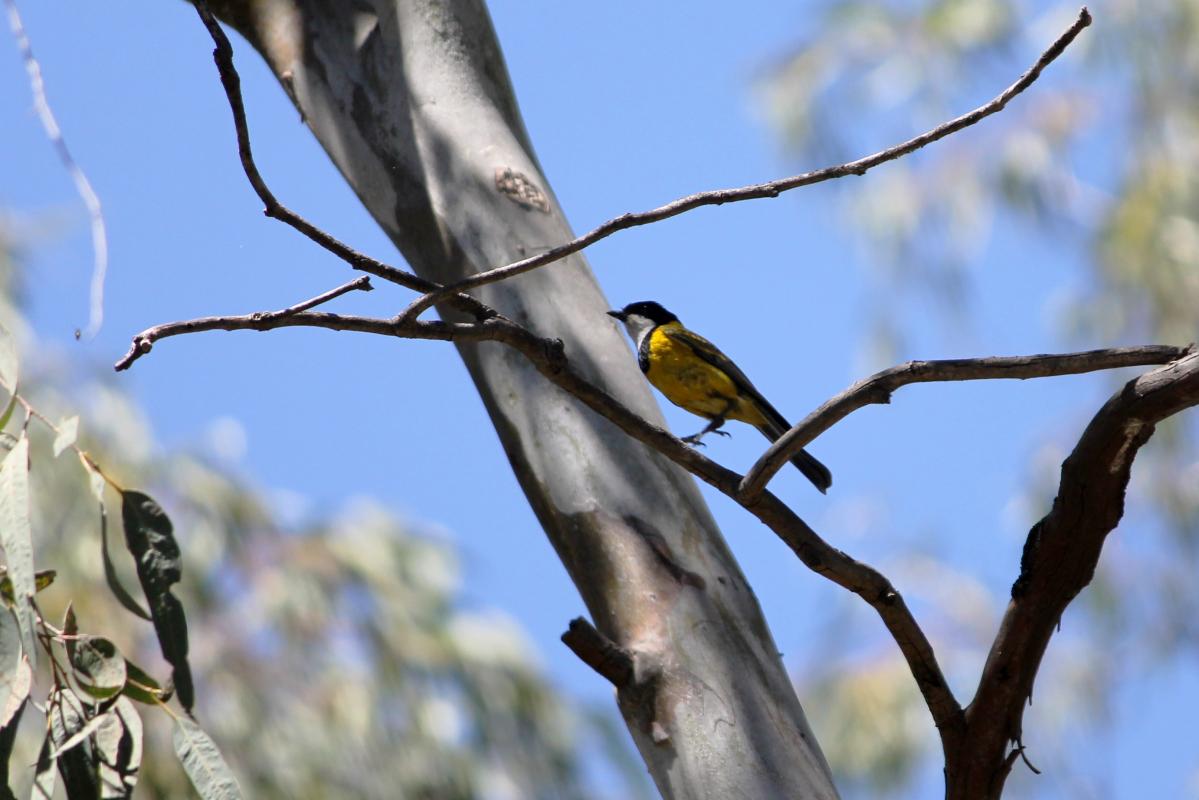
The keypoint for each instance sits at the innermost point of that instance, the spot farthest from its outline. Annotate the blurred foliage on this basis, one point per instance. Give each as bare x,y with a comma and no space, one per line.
331,657
1098,165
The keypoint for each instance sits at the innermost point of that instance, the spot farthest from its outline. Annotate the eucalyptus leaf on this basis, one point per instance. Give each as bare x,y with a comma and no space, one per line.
142,687
41,579
118,746
79,736
149,535
70,627
10,655
68,431
209,774
99,666
12,720
8,411
76,764
18,691
110,573
16,537
43,777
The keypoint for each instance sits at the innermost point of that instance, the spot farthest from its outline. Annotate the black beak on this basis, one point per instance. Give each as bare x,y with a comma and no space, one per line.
620,315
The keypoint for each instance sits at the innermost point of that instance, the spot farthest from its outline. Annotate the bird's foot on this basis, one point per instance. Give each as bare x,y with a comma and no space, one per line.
696,439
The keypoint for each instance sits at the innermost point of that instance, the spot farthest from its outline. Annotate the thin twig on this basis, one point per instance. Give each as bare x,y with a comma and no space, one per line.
362,284
879,387
32,413
82,185
548,358
260,321
755,191
231,81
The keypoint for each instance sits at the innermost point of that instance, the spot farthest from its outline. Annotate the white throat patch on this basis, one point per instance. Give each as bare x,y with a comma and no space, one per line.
638,328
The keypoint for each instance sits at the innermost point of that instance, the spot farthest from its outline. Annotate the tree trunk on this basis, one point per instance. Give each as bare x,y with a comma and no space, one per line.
413,103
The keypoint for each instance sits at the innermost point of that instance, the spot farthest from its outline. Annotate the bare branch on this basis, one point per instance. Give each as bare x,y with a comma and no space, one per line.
1021,641
1144,396
362,284
755,191
879,387
231,81
261,321
82,185
599,652
548,358
1059,559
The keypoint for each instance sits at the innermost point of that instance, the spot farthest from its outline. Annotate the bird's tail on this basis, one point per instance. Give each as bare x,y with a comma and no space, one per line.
804,461
813,470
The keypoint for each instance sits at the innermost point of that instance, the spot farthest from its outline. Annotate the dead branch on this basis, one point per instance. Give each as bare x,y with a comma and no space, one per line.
550,360
1060,556
756,191
879,387
231,81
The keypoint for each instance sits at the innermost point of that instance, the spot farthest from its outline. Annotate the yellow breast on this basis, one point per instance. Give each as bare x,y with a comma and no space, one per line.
692,383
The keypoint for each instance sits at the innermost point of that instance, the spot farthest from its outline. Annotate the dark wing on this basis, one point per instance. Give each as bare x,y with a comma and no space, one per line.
816,472
710,353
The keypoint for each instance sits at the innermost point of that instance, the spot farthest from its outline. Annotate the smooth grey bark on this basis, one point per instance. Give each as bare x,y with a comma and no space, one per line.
412,101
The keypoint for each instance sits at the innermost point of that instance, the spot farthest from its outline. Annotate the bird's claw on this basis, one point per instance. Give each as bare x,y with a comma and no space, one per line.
695,439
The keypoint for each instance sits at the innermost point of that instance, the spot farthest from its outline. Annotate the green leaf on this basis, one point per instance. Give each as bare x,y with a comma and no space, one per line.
79,736
140,686
18,691
12,719
43,778
41,579
110,573
99,667
70,627
118,747
16,537
68,430
150,537
8,410
10,655
76,764
209,773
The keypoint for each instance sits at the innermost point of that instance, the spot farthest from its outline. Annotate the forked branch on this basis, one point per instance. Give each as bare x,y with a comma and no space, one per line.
259,321
231,81
1060,556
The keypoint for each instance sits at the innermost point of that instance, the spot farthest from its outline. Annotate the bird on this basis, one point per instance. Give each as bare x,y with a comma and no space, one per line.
696,376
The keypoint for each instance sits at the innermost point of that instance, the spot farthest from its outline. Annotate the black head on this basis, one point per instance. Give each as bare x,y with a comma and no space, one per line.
645,308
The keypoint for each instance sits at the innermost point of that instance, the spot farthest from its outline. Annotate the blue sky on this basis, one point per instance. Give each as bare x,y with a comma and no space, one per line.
624,116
